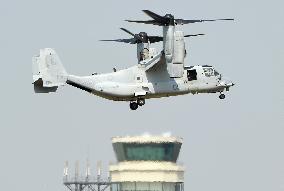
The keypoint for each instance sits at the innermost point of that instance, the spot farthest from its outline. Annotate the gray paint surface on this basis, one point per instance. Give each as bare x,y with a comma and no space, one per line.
234,144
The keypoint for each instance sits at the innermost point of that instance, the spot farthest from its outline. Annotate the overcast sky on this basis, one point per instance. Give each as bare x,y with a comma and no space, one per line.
232,144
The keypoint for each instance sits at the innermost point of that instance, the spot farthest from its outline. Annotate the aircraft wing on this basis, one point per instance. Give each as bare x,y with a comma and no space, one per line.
151,62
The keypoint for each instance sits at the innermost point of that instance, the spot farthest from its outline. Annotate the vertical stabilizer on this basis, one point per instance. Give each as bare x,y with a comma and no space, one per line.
48,71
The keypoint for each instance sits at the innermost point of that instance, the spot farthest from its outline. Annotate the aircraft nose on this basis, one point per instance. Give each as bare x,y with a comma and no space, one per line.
230,84
227,83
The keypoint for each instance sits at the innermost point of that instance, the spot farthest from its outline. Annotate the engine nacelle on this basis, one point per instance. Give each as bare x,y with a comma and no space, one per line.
152,52
168,42
179,48
142,51
176,68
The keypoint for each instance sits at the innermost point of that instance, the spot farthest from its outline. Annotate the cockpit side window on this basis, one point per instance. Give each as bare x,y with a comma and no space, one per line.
208,72
191,75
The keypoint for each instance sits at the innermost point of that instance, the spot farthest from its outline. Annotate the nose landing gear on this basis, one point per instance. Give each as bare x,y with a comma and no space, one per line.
222,96
141,102
134,104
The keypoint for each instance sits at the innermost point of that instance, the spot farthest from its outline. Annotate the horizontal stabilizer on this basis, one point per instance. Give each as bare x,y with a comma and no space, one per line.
151,62
39,88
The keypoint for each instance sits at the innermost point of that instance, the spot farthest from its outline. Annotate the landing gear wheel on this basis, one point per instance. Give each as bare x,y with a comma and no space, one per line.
133,105
222,96
141,102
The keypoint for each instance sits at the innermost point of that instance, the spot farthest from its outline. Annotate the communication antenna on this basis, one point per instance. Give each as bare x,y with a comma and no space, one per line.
108,174
65,171
77,170
88,170
99,168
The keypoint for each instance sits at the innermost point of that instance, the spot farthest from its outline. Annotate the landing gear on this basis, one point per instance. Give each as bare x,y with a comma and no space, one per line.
133,105
141,102
222,96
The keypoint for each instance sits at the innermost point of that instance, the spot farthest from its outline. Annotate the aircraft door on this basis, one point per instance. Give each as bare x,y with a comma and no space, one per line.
191,75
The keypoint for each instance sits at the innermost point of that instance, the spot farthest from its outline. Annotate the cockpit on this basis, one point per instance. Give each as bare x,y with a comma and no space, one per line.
209,71
206,70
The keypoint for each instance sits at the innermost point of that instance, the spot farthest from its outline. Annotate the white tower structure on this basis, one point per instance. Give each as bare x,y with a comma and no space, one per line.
146,163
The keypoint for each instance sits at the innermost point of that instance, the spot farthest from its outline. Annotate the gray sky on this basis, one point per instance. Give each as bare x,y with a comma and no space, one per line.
232,144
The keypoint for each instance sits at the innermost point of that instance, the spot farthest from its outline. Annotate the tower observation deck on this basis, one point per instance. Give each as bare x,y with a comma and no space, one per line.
147,163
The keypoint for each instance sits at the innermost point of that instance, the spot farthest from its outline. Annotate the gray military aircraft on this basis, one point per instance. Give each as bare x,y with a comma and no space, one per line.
156,75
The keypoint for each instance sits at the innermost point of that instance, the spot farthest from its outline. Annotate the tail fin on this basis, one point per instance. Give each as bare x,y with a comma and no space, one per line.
48,71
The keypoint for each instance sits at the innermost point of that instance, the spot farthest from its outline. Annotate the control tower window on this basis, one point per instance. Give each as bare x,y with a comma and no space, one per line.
153,152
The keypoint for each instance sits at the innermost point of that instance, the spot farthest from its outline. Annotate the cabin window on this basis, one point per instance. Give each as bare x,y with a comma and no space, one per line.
191,75
139,79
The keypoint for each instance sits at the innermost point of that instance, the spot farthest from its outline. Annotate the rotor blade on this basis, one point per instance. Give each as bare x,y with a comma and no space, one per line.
153,22
127,31
154,39
190,35
137,37
182,21
130,40
155,16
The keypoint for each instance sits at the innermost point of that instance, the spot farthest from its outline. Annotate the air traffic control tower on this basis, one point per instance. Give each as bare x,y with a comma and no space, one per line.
146,163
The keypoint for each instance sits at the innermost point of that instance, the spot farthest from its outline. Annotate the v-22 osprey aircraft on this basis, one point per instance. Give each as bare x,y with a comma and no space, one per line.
156,75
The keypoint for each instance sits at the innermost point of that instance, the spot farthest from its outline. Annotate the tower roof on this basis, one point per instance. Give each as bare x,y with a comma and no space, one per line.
146,139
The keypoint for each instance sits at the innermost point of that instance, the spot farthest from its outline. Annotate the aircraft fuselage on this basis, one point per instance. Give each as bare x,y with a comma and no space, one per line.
132,83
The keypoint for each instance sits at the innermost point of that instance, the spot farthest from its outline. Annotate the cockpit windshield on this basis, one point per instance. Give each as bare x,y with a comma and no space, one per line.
209,71
216,73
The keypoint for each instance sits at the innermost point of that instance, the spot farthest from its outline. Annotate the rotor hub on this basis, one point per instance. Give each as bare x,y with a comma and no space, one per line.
143,37
170,20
